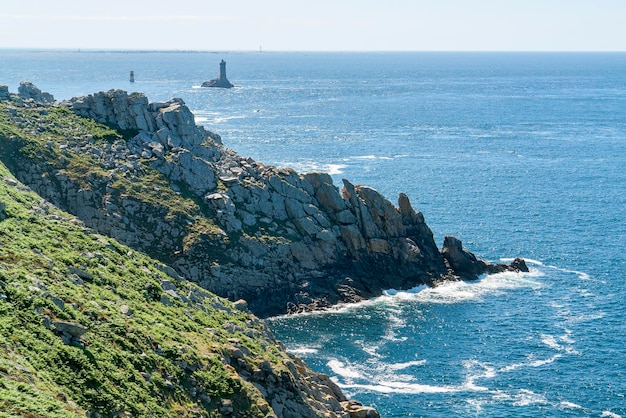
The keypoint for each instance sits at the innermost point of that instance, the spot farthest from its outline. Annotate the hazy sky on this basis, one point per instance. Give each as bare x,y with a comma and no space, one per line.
323,25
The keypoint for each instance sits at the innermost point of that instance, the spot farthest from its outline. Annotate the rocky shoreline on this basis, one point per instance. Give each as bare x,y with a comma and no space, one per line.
283,241
270,239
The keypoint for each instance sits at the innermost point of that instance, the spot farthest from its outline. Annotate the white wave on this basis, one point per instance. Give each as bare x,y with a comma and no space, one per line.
302,351
539,363
333,169
201,119
527,260
511,367
523,397
530,363
566,338
391,335
610,414
477,370
581,274
314,166
400,388
372,350
445,293
460,291
527,397
373,157
476,406
221,119
406,365
562,343
550,341
570,405
412,291
584,317
343,370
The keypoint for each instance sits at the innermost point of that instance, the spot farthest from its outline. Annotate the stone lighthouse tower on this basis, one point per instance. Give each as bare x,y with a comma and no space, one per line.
221,81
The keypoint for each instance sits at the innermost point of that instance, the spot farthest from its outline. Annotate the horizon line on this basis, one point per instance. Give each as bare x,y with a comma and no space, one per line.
221,51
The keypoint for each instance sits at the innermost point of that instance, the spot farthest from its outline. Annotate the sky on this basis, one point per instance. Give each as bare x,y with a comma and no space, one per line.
316,25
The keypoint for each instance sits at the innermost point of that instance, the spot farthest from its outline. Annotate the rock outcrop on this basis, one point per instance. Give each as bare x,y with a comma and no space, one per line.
283,241
467,265
4,92
28,91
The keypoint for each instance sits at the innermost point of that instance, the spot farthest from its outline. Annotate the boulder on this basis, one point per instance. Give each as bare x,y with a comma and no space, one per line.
74,329
80,273
356,410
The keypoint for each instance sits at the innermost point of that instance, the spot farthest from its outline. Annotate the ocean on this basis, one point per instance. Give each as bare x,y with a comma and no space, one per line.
516,154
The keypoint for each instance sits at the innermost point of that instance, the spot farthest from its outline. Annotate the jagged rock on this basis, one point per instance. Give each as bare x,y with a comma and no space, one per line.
4,92
466,265
519,264
197,173
462,261
27,90
167,285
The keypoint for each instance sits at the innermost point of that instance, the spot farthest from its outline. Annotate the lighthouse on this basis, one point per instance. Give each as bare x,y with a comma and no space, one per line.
221,81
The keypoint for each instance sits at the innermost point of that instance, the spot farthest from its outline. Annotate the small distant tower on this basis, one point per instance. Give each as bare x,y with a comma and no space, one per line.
132,76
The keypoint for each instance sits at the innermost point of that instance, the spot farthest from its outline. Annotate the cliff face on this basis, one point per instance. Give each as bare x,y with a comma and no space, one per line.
283,241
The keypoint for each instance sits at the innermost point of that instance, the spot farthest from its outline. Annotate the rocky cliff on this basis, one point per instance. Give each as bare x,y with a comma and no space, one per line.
146,174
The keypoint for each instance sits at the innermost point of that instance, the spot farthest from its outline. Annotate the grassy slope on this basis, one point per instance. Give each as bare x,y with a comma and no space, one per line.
48,135
151,361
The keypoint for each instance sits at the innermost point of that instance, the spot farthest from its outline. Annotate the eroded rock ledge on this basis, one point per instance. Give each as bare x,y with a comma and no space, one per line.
283,241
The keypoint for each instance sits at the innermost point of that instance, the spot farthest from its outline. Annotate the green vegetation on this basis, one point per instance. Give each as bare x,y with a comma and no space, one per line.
153,188
54,123
146,353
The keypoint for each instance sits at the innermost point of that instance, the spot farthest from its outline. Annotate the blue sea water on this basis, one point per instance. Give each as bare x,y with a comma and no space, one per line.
516,154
